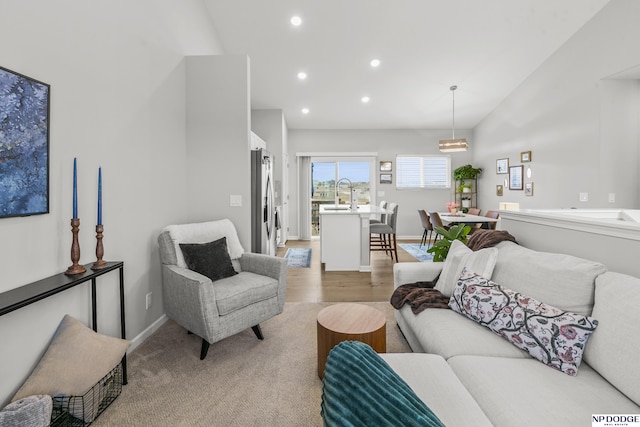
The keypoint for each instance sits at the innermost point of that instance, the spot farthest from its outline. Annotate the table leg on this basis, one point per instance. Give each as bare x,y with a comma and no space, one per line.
94,312
123,331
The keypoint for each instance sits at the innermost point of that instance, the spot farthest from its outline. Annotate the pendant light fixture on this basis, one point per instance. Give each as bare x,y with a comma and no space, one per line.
452,145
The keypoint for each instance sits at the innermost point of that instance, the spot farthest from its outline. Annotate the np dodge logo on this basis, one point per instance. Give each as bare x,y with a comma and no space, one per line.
615,420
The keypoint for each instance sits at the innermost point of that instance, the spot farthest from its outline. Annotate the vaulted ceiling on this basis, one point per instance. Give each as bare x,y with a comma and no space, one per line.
486,48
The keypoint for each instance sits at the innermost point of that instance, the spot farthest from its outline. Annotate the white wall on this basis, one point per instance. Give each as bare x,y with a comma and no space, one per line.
117,76
582,128
218,140
388,144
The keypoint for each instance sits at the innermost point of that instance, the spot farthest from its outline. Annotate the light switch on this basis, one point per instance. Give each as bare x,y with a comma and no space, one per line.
584,197
612,197
235,200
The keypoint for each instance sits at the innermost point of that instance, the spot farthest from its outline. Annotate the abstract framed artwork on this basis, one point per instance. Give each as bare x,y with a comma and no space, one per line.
515,177
24,145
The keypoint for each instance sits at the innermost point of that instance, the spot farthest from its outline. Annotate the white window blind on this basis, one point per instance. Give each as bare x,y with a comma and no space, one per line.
423,172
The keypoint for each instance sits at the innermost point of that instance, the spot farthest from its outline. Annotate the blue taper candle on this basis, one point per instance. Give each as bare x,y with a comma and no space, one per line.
99,196
75,189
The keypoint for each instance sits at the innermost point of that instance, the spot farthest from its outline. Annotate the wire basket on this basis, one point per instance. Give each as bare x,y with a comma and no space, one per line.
83,410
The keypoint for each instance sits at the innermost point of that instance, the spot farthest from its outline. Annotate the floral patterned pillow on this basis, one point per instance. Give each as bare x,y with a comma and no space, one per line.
555,337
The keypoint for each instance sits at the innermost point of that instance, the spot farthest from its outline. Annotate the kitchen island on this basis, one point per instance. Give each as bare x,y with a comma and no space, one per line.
344,237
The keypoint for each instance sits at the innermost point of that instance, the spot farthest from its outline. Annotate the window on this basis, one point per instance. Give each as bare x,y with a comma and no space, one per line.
326,171
423,172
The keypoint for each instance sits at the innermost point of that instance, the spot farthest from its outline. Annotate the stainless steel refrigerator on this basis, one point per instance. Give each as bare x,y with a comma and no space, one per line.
263,209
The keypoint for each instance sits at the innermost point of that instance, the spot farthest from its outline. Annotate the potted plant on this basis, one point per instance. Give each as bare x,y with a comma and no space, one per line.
464,188
440,249
466,172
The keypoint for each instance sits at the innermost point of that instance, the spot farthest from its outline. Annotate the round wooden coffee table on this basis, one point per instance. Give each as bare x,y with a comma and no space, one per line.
349,322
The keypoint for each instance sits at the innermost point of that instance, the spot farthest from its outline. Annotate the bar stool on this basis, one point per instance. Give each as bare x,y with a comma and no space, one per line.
387,233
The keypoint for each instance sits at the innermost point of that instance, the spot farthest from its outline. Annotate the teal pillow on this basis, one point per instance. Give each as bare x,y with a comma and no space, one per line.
360,389
209,259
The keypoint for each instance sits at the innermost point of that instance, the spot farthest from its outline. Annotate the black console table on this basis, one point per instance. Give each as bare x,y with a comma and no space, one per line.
33,292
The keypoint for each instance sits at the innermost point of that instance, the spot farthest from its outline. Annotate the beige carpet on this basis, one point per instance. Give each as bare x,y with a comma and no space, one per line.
242,382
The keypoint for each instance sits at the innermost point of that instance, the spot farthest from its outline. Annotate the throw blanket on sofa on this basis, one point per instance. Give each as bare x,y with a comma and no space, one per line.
481,239
360,389
418,297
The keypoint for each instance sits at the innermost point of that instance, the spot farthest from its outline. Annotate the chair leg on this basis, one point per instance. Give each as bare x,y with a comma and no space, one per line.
256,330
204,349
394,249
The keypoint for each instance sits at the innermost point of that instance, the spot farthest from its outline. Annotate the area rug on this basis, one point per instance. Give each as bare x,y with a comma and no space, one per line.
242,382
298,257
416,251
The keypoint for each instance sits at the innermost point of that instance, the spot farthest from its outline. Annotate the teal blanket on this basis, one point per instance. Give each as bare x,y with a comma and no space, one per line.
360,389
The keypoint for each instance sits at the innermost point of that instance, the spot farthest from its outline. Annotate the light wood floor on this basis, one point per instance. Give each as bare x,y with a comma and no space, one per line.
316,285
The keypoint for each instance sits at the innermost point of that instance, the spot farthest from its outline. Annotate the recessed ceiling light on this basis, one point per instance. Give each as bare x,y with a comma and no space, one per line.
375,63
365,99
296,21
305,111
302,75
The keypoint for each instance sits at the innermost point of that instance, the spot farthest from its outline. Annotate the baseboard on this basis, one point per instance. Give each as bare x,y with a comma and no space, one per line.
398,237
139,339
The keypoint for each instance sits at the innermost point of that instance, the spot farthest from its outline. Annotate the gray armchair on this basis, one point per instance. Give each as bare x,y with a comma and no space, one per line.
214,310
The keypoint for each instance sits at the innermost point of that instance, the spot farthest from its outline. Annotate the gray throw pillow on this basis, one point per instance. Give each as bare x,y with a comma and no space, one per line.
32,411
209,259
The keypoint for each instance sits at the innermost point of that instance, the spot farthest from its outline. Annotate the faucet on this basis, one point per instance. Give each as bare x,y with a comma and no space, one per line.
338,186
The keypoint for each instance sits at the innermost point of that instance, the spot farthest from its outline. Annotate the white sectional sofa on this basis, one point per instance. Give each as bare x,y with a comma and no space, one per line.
470,376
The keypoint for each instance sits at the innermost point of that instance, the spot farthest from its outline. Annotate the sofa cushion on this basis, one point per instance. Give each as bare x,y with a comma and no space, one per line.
448,334
524,392
562,281
614,348
460,256
209,259
360,389
554,337
433,381
242,290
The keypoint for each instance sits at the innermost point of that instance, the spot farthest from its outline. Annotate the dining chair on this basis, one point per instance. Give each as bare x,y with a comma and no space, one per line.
436,221
386,232
426,225
474,211
494,215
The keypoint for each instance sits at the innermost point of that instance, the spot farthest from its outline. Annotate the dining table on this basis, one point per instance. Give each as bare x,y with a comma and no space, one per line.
450,219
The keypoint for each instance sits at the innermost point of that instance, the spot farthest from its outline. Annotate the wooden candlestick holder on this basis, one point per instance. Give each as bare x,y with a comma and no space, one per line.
75,268
100,263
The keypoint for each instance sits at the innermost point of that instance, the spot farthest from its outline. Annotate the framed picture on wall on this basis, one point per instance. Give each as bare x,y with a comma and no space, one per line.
528,189
385,178
502,166
24,145
525,156
385,166
499,190
515,177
